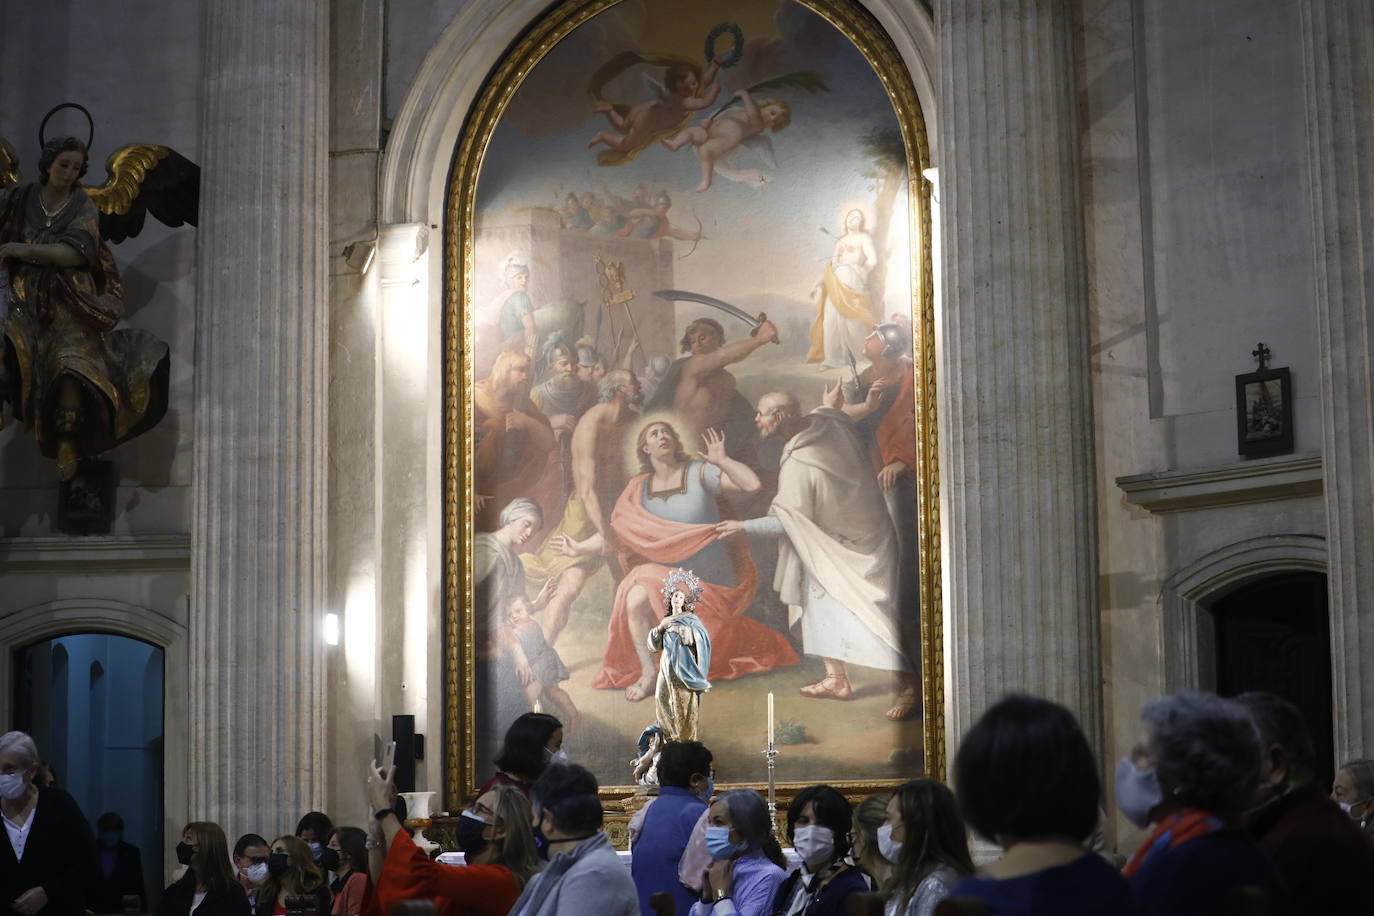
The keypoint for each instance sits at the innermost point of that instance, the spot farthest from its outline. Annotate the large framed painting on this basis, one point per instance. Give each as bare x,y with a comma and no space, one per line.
689,353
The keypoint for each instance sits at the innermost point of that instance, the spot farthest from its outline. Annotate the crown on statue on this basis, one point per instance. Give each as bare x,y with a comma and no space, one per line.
685,581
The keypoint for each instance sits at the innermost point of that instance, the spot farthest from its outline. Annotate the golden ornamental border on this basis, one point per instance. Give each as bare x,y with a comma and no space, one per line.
864,31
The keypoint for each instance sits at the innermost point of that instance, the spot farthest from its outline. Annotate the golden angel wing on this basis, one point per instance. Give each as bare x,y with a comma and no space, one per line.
9,164
143,179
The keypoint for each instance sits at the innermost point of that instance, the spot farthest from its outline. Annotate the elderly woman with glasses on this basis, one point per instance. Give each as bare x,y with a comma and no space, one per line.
1192,775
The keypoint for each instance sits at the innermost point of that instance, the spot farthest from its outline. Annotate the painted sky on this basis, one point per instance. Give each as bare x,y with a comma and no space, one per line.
759,241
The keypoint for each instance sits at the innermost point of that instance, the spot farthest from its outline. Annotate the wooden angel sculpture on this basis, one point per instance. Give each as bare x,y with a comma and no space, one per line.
77,382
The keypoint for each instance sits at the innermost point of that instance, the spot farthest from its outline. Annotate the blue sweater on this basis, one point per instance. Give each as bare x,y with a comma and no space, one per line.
667,827
1086,886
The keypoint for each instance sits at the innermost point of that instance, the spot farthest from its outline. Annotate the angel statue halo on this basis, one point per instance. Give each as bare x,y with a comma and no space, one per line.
683,577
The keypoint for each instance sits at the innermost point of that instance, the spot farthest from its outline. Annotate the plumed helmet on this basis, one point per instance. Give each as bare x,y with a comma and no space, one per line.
896,343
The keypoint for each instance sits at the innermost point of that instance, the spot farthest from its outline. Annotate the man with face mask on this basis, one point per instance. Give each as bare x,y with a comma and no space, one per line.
250,862
582,865
119,871
1326,859
686,783
50,852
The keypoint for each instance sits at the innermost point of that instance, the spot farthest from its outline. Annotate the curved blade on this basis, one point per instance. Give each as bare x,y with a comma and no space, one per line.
682,295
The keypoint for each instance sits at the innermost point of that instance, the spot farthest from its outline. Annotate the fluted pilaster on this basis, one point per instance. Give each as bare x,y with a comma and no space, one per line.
1016,448
258,543
1337,37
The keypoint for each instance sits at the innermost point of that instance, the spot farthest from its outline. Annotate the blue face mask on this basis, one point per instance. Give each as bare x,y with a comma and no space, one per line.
718,843
709,790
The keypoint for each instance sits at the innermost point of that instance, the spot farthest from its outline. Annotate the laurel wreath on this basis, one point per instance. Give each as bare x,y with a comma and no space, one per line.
736,37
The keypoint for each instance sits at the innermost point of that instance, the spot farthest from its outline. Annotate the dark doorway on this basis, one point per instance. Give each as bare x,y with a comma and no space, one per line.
1274,635
93,704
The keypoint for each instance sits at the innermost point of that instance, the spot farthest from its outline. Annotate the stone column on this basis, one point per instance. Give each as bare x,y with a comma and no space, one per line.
258,542
1020,550
1337,36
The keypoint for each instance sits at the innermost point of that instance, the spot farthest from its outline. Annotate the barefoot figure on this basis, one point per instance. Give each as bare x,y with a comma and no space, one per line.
538,665
716,139
666,518
686,89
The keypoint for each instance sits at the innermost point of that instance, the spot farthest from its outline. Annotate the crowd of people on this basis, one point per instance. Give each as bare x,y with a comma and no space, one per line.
1227,789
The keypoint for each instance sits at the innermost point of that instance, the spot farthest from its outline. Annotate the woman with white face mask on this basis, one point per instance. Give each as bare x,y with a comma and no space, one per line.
925,840
1353,790
818,827
1192,776
51,844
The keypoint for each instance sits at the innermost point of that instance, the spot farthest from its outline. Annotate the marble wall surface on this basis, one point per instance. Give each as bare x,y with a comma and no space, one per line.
1197,242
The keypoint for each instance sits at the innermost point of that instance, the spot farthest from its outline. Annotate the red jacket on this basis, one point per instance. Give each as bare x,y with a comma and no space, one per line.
457,890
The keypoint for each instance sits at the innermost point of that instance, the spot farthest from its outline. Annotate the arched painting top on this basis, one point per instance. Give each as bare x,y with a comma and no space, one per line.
689,324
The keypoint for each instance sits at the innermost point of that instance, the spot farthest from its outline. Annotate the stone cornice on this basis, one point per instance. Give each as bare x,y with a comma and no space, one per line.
115,553
1261,480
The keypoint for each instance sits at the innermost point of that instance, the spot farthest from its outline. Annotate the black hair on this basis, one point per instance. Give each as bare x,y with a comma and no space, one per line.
110,821
56,147
709,324
832,810
353,844
1026,770
569,793
249,839
679,760
1280,722
317,821
522,753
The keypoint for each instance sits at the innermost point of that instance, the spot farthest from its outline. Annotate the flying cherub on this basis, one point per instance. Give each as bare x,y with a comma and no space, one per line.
685,89
717,138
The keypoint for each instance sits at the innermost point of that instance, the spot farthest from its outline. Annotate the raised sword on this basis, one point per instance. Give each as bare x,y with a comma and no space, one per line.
682,295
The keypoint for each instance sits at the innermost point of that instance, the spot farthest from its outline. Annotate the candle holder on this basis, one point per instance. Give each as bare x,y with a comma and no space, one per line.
771,755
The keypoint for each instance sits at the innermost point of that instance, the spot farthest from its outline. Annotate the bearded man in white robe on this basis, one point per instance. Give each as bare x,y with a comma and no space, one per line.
837,549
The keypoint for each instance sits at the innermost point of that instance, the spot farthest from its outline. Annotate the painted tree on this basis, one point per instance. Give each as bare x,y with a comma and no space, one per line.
886,172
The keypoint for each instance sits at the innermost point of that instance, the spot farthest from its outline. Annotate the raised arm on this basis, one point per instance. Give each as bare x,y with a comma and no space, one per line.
732,352
735,476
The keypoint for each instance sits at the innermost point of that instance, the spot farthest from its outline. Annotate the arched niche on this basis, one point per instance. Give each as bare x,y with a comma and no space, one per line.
1187,629
70,616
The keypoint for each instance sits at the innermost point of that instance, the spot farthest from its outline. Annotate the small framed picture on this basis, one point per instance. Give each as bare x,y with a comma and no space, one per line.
1264,413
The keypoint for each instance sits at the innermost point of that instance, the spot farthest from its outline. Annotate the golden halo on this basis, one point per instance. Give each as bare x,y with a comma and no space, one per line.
686,431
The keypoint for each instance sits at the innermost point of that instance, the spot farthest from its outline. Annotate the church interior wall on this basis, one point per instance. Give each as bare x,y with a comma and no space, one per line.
1198,247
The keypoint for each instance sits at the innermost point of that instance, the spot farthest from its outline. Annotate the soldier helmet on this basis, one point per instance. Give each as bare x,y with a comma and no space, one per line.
896,342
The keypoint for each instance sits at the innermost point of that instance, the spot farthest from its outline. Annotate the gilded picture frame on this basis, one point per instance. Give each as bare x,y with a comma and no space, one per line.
463,767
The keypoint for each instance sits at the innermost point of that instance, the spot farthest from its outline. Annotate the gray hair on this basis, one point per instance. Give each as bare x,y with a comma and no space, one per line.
1362,775
21,747
1279,722
748,816
519,508
1210,739
610,384
788,405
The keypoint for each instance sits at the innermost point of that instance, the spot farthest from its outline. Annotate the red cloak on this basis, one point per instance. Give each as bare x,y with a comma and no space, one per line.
651,546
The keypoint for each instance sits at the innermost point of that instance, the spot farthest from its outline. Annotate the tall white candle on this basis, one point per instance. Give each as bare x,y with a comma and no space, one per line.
770,717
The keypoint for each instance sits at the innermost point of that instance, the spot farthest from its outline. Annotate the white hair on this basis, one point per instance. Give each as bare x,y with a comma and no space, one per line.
519,508
21,747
